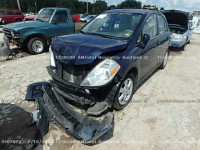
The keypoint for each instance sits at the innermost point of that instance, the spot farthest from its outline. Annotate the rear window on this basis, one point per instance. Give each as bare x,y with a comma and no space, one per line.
2,13
18,12
11,12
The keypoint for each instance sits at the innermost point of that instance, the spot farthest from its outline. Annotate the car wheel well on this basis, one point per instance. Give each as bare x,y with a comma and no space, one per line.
35,35
133,71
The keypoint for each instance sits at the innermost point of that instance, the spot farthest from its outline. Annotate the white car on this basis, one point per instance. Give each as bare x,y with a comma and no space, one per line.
87,19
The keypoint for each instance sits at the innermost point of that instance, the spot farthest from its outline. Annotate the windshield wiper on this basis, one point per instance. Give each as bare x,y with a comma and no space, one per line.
103,35
82,32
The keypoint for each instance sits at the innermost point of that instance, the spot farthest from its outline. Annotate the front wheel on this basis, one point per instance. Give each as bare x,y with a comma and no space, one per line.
37,45
125,92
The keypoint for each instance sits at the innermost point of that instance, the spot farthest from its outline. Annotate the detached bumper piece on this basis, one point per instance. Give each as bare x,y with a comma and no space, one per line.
53,108
5,50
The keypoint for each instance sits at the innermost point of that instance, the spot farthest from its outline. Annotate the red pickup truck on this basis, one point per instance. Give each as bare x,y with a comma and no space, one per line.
10,16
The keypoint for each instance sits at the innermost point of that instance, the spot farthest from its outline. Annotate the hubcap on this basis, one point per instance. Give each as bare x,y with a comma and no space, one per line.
125,91
165,59
37,46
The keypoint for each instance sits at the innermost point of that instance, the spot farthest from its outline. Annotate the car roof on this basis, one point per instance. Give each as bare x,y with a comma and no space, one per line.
139,11
57,8
10,10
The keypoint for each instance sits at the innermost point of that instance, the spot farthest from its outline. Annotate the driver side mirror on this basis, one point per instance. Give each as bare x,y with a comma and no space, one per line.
144,40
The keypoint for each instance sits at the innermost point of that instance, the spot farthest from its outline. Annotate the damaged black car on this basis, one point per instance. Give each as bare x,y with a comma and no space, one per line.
99,68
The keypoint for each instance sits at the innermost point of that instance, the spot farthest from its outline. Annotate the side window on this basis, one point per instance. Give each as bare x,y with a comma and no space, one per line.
150,26
162,25
61,17
18,12
2,13
11,12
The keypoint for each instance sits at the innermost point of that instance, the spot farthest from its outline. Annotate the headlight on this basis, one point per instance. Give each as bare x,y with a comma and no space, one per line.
52,59
179,37
102,74
14,34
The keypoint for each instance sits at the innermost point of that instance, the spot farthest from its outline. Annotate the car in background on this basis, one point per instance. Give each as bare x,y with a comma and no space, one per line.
76,17
30,18
10,16
83,15
87,18
100,68
180,27
195,21
36,35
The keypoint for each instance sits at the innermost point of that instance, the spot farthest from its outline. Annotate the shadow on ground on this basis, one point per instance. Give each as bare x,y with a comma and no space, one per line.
15,129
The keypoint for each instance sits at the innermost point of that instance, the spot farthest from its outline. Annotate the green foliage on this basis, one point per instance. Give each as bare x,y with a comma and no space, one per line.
130,4
75,6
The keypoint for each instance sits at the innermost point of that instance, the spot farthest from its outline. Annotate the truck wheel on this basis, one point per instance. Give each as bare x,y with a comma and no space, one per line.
125,92
37,45
183,47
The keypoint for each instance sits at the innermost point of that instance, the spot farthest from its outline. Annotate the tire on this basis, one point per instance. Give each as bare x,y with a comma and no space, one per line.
164,63
120,102
37,45
188,42
183,47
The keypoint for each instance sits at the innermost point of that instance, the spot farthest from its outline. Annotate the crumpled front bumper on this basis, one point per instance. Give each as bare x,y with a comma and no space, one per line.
53,108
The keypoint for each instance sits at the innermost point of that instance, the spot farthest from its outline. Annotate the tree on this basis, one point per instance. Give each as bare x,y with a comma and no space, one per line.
130,4
162,8
100,6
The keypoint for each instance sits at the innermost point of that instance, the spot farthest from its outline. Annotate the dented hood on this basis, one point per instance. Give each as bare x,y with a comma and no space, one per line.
177,17
79,49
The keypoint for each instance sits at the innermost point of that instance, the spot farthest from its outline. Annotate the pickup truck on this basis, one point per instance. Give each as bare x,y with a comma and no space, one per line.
36,35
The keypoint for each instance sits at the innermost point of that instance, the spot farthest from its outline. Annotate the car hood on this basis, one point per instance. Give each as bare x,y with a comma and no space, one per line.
177,17
25,24
79,49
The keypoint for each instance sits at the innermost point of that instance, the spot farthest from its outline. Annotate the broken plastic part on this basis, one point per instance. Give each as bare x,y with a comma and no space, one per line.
55,109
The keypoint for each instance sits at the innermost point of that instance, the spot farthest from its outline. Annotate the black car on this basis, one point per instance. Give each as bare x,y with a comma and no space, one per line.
100,68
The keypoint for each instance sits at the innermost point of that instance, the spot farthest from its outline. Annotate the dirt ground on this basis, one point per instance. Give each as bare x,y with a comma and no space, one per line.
163,115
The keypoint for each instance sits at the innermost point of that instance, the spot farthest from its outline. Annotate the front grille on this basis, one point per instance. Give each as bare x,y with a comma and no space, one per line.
7,32
74,74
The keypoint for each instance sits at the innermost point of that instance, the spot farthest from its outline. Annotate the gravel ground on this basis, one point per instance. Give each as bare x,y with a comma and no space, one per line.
164,113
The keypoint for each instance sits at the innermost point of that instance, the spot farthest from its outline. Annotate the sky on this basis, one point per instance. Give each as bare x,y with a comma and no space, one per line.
187,5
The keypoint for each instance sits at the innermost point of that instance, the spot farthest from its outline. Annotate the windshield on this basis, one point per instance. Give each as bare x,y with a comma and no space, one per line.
45,15
120,25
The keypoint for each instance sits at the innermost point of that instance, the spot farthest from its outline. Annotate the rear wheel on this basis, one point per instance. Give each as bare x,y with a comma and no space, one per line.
125,92
165,60
37,45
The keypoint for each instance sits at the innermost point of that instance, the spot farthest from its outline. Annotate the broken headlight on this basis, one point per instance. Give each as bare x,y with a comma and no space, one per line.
15,34
52,59
102,74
